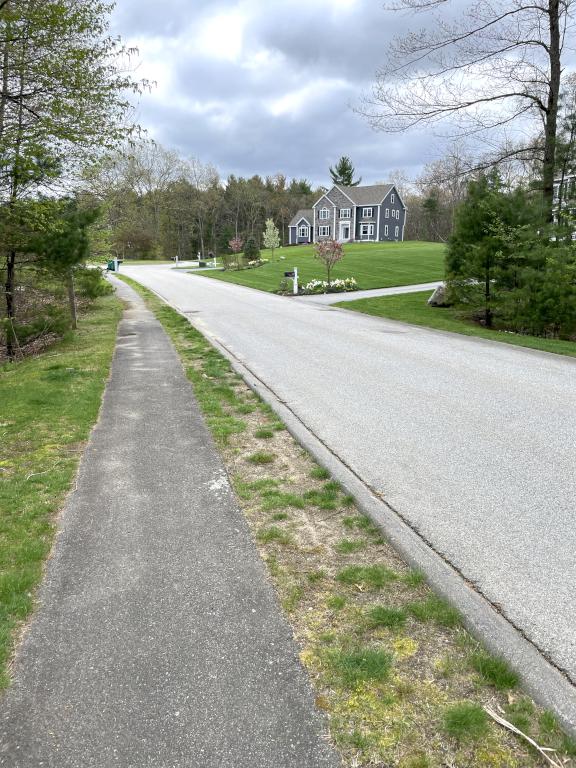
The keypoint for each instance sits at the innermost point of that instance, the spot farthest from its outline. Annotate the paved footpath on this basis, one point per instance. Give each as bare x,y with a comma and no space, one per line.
158,641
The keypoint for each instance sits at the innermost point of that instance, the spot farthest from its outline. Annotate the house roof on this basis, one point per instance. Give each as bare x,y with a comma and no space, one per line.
373,194
304,213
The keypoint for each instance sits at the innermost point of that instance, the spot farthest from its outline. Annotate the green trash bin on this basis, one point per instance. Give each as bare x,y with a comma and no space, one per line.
111,266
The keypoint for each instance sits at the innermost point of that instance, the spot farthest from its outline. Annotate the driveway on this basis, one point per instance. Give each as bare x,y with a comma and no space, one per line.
473,442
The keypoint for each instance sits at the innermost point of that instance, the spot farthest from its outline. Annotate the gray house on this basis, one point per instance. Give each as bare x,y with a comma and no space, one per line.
373,213
301,227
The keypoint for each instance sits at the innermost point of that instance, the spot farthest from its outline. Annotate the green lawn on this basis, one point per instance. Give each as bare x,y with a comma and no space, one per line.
49,404
412,308
373,265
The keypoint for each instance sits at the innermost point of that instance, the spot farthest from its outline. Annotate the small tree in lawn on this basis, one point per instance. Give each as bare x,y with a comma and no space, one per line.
251,250
236,245
271,237
329,252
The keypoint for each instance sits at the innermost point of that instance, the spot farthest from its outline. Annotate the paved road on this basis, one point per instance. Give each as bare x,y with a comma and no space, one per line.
472,441
159,642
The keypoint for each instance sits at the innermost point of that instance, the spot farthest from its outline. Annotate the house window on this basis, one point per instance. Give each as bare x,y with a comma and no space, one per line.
324,231
386,230
366,231
344,213
392,198
366,213
303,231
324,214
387,213
396,231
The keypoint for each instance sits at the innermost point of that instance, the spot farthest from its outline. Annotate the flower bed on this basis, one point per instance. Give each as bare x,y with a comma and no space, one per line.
334,286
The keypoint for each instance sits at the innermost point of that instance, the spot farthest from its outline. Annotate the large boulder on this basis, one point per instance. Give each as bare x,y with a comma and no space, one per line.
439,297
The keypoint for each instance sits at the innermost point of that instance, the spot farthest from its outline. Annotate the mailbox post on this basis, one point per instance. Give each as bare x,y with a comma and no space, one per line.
294,276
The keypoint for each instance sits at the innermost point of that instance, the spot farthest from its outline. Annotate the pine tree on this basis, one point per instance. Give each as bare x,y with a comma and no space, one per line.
343,173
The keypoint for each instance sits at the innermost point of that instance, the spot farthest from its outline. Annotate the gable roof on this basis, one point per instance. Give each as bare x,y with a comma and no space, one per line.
304,213
371,195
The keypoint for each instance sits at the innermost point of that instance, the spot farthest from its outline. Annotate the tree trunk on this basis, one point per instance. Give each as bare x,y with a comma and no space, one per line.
11,340
487,310
551,122
72,299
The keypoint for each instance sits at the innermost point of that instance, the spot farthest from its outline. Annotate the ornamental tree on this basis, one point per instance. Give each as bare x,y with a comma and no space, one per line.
271,236
329,252
236,245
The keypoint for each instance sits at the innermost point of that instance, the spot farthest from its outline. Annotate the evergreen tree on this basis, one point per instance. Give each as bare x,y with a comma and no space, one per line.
484,258
251,250
343,173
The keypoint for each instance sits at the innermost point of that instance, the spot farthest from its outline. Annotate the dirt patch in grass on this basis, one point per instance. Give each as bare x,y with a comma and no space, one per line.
401,681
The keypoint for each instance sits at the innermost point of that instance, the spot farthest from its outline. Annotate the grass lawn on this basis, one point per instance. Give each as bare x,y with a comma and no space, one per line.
373,265
412,308
48,406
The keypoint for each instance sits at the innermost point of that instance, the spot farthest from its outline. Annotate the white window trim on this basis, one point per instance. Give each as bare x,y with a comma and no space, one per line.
367,215
345,213
392,198
386,230
367,231
387,213
304,231
324,231
321,213
396,231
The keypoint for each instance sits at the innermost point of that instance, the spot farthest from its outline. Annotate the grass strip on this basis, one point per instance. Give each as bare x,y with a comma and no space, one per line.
49,405
401,681
412,308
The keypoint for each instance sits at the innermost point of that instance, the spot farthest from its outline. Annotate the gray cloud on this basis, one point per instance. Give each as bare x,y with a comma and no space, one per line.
283,103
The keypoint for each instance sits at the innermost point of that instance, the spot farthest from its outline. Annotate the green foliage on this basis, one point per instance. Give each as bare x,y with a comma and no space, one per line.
343,173
91,283
251,250
466,721
506,271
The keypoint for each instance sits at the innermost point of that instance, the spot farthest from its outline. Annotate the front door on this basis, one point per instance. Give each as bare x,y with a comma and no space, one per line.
344,231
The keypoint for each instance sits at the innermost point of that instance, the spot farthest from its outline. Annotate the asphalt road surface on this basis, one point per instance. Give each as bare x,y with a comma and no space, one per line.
471,441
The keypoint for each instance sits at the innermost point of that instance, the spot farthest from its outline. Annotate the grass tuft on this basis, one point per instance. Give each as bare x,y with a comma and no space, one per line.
381,616
319,473
493,671
347,546
261,457
434,609
466,721
264,434
372,576
360,664
273,533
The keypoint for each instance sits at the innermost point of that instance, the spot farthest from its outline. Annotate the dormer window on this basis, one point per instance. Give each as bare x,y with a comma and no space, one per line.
344,213
367,213
324,214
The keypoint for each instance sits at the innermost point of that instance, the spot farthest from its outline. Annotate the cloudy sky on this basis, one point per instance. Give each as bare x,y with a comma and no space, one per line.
261,86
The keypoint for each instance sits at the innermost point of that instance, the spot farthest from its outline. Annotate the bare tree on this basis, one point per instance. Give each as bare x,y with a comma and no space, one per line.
492,67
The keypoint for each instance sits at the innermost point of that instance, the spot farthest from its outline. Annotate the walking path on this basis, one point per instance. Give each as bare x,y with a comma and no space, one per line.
371,293
158,641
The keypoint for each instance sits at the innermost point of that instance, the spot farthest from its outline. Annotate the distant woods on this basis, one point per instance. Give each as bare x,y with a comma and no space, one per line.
156,204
